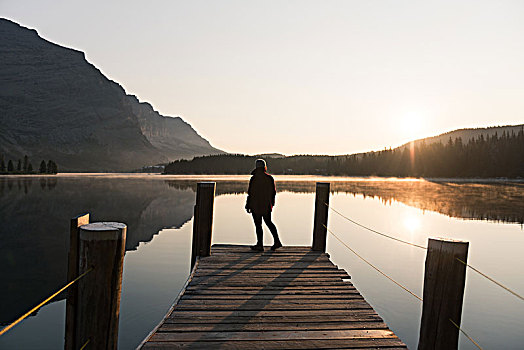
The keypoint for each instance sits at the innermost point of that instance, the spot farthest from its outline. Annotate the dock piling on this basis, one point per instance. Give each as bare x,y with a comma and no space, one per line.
321,216
101,248
203,220
444,282
72,273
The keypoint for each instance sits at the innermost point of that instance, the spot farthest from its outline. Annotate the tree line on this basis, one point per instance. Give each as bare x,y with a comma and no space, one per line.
25,167
483,156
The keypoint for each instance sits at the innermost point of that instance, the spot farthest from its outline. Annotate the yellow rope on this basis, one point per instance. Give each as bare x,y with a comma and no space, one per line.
419,246
85,344
400,285
373,266
492,280
375,231
21,318
467,336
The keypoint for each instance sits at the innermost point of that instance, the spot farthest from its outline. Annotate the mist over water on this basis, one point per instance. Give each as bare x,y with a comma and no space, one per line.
35,214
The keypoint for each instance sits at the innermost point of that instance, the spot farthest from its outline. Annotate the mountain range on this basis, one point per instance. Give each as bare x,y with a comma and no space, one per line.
56,105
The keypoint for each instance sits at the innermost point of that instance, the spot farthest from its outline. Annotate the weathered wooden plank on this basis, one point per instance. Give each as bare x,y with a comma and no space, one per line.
258,279
261,306
306,275
272,260
270,273
287,301
390,344
320,298
267,271
267,257
262,280
276,265
275,335
367,315
293,298
263,255
284,287
269,289
244,254
261,270
262,292
271,284
265,327
238,247
265,313
335,276
234,249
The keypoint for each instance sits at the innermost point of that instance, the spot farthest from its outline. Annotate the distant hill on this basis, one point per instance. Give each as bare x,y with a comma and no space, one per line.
467,134
56,105
270,155
499,152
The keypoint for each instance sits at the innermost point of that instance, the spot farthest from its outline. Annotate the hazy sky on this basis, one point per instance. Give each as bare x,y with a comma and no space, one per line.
323,77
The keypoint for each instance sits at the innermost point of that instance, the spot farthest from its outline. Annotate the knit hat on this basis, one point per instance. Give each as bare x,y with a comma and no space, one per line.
260,163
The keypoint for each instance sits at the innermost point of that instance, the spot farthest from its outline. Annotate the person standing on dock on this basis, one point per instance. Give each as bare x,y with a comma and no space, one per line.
260,201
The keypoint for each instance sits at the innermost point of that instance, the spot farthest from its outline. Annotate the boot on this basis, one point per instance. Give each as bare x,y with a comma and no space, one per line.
276,245
257,247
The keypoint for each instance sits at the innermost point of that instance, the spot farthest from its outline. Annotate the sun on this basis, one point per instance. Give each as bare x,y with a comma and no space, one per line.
411,124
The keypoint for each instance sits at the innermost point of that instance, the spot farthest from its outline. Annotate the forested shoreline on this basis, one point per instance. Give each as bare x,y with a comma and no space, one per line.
25,166
491,156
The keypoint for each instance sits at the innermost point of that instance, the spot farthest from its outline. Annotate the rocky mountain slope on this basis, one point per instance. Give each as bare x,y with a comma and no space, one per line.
56,105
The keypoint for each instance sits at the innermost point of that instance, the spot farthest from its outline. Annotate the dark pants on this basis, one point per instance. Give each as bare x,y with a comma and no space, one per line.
257,218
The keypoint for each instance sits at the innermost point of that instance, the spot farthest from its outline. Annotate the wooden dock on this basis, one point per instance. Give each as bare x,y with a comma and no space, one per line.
293,298
235,298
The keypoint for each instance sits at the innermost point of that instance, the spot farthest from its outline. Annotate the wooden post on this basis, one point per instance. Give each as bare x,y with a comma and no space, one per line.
321,216
444,282
101,247
203,220
72,273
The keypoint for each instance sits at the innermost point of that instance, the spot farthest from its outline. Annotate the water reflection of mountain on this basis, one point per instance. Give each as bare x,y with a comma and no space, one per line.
35,214
498,201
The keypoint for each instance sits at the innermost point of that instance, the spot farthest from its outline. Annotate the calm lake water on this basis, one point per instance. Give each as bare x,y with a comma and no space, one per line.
34,224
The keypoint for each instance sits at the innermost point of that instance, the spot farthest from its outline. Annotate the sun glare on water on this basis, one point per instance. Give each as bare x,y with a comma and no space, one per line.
411,223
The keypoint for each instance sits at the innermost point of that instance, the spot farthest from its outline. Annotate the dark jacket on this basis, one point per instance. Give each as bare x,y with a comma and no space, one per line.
261,192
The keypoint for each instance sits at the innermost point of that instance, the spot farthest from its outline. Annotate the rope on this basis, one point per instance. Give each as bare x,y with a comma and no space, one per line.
467,336
85,344
492,280
374,231
373,266
422,247
398,284
21,318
